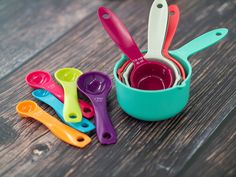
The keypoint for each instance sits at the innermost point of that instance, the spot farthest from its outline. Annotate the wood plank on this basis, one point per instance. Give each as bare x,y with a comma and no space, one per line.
27,27
217,156
144,149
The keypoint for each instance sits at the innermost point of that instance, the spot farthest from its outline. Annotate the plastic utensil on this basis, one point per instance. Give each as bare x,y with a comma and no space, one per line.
156,37
125,75
164,104
146,75
43,80
174,15
48,98
157,29
67,77
121,69
67,134
96,86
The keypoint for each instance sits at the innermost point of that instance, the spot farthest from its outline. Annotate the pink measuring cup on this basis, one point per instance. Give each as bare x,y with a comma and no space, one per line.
146,75
43,80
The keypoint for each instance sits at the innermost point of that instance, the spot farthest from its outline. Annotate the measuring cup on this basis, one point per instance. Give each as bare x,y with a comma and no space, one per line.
67,134
173,23
67,77
146,75
43,80
156,37
96,86
164,104
121,69
48,98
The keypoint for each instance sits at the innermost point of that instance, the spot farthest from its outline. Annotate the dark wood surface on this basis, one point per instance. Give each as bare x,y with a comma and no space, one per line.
50,34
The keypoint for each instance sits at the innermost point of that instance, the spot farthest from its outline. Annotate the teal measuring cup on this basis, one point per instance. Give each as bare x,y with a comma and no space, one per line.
164,104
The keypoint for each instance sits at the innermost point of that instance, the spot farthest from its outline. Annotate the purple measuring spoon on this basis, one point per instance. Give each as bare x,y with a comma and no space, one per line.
96,86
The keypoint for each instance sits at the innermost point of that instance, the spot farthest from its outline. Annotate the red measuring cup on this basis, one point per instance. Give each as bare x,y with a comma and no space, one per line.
146,75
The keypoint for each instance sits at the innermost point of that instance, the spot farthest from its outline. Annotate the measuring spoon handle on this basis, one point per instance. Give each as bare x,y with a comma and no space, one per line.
174,15
60,130
120,35
55,89
105,131
83,126
71,110
157,25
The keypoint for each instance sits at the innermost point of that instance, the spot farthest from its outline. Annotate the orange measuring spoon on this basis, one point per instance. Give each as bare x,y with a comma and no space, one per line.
67,134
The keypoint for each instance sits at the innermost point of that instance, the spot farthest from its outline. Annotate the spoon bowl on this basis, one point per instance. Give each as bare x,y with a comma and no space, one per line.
25,108
68,75
95,84
38,78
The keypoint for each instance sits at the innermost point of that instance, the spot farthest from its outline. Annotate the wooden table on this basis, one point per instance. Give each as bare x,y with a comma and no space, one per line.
50,34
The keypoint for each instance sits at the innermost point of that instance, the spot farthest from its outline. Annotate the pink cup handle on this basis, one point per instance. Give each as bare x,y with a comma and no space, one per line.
120,35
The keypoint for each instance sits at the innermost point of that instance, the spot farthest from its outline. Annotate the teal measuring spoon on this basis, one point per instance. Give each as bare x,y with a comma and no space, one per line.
84,126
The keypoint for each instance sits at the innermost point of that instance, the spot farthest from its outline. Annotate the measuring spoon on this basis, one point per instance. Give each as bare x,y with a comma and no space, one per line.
48,98
67,134
43,80
67,77
147,75
96,86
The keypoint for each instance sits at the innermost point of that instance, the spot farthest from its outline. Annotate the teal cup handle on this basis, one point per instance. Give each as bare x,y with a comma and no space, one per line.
84,126
164,104
200,43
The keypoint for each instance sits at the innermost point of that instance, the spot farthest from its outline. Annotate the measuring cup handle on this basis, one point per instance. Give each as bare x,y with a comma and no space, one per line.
174,15
71,110
120,35
86,109
55,89
157,25
62,131
105,131
200,43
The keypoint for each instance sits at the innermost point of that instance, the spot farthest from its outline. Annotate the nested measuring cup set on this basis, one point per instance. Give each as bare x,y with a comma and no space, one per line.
73,112
154,84
151,85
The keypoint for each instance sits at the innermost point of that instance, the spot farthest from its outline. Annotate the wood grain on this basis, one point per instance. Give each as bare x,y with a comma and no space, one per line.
27,27
164,148
217,156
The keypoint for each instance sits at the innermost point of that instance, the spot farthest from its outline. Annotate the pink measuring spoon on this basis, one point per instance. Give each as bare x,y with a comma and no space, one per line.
43,80
146,75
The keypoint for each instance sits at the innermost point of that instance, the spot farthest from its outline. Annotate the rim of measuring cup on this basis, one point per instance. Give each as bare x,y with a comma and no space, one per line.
123,58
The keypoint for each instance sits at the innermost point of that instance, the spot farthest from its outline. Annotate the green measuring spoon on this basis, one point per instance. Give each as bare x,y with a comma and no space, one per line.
67,77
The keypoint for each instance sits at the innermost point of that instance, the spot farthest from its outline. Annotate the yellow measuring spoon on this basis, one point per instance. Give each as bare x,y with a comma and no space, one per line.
67,77
67,134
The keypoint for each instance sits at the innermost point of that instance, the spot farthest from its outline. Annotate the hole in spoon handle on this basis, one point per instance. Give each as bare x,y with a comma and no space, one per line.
86,109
